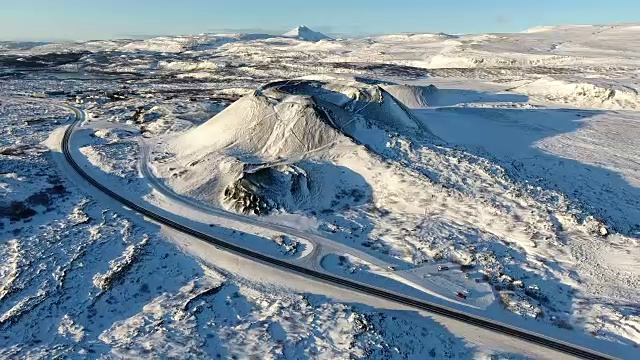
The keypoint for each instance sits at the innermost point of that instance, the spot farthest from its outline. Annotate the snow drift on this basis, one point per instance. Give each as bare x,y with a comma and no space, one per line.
412,97
593,94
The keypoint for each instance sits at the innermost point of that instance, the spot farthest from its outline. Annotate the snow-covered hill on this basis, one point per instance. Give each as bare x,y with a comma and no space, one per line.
280,137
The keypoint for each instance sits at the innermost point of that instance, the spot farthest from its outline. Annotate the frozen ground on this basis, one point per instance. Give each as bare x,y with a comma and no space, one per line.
519,171
82,279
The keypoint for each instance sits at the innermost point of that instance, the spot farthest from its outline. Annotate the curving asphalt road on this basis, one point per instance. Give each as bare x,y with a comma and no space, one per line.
326,278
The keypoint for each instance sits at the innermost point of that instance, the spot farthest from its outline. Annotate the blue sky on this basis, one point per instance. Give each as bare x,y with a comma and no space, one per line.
99,19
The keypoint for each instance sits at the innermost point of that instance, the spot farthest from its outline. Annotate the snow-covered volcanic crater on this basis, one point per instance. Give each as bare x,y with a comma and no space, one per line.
278,147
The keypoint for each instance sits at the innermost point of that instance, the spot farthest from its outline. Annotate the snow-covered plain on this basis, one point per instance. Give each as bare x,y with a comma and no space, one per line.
510,159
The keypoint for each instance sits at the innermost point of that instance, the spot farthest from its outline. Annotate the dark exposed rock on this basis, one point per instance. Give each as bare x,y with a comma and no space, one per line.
262,191
16,211
41,198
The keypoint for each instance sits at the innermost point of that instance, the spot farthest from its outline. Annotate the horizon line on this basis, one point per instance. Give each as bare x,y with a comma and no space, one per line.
273,32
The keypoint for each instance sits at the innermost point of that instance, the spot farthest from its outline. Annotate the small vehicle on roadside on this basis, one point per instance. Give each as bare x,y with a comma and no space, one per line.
461,295
443,268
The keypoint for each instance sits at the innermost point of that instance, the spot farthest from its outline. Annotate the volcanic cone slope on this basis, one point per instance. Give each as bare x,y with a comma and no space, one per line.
276,147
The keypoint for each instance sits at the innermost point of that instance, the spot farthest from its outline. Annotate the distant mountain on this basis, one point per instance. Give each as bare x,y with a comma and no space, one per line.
304,33
20,45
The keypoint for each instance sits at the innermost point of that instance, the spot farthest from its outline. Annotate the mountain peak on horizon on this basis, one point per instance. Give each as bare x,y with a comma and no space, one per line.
302,32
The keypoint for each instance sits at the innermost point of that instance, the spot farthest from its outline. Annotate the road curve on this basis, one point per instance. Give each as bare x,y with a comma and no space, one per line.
326,278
